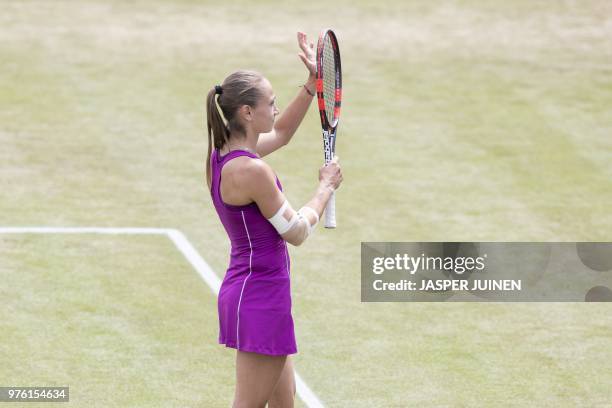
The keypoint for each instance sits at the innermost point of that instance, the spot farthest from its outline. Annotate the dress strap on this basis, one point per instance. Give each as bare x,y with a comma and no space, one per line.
232,154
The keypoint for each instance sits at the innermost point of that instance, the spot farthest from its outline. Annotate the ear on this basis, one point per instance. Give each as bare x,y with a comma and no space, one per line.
246,112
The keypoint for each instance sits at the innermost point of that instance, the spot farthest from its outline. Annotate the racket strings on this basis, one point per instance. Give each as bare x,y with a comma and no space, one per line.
329,78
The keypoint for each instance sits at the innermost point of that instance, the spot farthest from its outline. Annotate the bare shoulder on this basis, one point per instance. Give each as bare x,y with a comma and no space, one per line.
251,180
249,174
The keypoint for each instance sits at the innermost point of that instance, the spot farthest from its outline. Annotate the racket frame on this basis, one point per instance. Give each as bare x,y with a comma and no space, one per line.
329,129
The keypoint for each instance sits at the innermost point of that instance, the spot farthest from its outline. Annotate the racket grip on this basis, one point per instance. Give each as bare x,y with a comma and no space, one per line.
330,212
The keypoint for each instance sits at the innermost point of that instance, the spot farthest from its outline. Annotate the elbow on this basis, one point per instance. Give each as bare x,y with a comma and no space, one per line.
285,140
295,241
281,136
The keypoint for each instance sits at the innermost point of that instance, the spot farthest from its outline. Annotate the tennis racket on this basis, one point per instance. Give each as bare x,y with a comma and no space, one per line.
329,95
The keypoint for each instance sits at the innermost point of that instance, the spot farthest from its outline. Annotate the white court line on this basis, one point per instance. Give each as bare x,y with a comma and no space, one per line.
189,252
81,230
194,258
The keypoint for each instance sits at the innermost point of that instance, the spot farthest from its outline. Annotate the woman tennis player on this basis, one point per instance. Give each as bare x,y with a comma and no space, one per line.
255,301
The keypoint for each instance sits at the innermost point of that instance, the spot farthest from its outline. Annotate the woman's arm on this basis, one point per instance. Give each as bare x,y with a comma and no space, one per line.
288,122
257,180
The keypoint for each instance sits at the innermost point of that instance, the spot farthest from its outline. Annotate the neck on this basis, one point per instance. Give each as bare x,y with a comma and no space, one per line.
245,143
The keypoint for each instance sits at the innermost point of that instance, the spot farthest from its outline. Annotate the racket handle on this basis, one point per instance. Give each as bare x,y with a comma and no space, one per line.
330,212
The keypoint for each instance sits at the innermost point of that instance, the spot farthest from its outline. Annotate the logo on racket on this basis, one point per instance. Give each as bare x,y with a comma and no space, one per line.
327,148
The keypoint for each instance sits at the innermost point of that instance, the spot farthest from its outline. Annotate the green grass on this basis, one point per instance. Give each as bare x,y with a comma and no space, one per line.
118,319
464,120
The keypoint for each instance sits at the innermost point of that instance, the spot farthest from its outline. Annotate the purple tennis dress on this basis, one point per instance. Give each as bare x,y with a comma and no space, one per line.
255,297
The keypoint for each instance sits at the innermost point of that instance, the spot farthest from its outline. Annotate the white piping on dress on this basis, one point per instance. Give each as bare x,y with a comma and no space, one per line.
286,258
243,284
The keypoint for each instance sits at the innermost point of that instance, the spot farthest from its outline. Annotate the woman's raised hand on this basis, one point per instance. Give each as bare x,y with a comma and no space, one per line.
308,53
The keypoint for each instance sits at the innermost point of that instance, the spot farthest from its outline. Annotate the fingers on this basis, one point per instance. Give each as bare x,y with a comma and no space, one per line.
303,42
301,39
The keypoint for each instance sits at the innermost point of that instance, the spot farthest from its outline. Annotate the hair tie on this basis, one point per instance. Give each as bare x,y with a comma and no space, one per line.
218,89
